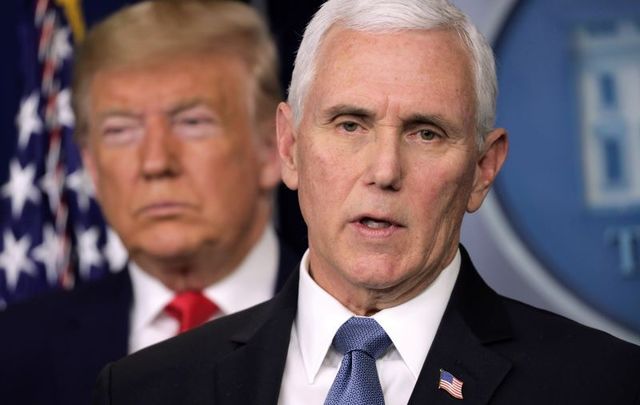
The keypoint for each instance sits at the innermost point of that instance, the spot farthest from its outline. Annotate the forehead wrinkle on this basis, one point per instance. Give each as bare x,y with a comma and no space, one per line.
395,106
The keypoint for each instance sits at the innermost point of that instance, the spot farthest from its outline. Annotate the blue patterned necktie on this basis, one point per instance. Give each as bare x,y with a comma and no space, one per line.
362,341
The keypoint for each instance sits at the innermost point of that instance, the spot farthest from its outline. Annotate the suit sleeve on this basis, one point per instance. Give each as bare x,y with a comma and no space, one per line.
102,390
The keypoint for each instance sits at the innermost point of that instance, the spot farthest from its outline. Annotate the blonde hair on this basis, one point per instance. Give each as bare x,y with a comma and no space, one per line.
153,31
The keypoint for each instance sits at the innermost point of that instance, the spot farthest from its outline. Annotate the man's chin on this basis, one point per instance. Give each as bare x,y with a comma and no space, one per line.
170,252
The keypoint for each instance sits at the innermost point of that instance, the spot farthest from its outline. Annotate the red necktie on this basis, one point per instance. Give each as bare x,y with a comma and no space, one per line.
191,309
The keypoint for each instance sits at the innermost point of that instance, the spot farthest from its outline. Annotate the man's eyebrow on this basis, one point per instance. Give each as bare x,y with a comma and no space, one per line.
117,112
186,105
177,109
346,109
416,120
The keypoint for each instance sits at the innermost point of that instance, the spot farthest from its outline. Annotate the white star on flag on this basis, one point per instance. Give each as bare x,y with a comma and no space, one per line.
28,120
88,253
14,259
61,47
48,253
63,108
114,251
20,187
80,182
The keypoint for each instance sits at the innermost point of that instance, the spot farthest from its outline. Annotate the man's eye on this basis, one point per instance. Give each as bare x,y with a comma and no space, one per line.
113,131
120,134
349,126
428,135
194,127
194,121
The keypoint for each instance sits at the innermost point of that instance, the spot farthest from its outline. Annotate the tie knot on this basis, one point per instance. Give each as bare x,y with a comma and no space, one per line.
362,334
190,309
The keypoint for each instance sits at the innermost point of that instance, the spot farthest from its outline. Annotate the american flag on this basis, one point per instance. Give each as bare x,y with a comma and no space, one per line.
450,384
52,232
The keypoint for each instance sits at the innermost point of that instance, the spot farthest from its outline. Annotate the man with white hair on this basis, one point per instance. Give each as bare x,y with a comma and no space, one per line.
388,136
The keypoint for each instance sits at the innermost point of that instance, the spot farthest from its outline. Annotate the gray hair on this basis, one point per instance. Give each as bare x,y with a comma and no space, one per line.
392,16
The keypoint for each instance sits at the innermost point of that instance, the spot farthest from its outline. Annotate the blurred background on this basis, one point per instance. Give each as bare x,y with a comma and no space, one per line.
561,230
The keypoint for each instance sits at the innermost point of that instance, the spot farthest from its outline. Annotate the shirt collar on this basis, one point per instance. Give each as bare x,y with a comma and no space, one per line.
255,277
424,313
150,297
320,315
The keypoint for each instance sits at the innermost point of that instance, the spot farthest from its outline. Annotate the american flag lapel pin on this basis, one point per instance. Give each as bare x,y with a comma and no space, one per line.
450,384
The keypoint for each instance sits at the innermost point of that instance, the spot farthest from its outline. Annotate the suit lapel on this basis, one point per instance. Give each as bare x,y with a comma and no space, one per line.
474,318
252,374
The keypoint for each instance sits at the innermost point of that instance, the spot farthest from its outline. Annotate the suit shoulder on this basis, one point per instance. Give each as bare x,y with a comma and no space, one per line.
58,308
544,332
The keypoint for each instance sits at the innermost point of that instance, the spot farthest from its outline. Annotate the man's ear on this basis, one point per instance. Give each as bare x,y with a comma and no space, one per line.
285,129
492,155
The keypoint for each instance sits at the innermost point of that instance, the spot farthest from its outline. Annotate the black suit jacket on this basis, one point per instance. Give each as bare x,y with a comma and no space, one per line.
52,348
504,351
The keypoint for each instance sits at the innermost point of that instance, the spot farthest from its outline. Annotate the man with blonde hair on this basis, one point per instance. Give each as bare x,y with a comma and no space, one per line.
388,135
174,104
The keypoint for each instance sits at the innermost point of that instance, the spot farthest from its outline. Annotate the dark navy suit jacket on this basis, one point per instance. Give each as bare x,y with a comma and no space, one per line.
505,352
52,348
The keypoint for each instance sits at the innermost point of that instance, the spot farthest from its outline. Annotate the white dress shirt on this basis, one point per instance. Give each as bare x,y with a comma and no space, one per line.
312,363
251,283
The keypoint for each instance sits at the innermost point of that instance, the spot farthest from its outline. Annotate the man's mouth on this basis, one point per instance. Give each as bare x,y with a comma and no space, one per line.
164,208
375,223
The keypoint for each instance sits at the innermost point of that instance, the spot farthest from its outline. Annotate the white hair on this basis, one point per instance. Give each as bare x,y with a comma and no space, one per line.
393,16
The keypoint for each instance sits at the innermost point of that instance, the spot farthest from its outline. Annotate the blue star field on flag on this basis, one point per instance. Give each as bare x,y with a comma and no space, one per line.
450,384
52,234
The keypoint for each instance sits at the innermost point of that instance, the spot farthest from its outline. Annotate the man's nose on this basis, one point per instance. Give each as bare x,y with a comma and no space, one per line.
385,161
159,150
